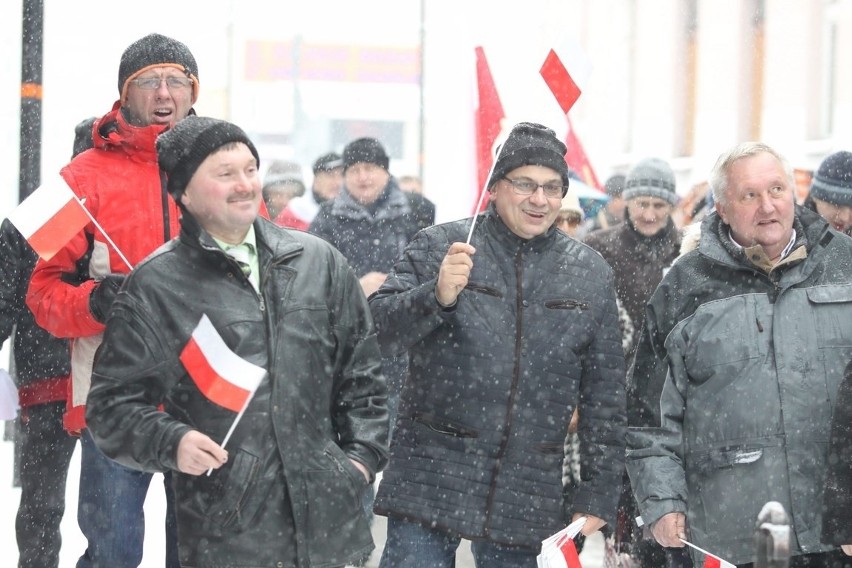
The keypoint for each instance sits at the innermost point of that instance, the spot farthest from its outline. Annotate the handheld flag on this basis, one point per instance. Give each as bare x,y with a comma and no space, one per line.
710,560
565,71
220,374
488,117
559,550
49,217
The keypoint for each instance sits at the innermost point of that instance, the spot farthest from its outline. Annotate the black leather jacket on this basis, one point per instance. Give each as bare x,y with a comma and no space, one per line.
322,403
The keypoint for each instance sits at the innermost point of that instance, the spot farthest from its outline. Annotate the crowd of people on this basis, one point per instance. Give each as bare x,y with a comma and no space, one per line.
272,348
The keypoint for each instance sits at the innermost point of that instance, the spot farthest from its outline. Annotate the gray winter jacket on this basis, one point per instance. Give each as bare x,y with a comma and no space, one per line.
493,382
734,381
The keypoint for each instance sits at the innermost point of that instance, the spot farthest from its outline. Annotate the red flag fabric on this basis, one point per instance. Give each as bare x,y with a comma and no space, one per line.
49,217
488,116
559,80
577,159
711,561
569,553
220,374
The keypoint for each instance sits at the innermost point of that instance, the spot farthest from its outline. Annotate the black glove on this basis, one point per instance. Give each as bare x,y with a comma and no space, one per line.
103,295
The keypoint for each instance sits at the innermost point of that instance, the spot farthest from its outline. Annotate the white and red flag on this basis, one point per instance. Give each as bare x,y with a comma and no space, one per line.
488,121
221,375
566,70
710,560
49,217
559,550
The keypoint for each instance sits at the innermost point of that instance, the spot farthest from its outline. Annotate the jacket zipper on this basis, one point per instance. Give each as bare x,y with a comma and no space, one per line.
516,373
164,195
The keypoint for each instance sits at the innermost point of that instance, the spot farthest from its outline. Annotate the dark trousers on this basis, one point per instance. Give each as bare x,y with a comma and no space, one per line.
44,452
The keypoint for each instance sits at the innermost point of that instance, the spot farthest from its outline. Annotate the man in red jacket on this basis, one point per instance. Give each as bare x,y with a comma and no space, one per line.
119,183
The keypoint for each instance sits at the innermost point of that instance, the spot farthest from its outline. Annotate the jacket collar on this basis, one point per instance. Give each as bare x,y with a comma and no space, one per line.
494,227
272,241
115,133
395,204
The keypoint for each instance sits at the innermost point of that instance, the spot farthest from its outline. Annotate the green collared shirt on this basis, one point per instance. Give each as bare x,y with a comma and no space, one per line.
245,253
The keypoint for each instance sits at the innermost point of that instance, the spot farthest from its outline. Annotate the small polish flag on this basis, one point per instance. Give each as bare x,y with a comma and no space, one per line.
49,217
559,550
710,560
565,71
223,376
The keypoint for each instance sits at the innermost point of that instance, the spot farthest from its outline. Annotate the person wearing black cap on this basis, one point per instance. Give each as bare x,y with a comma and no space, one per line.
831,191
285,489
328,179
506,336
119,182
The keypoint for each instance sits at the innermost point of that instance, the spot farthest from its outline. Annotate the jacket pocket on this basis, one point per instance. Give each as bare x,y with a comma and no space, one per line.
565,304
483,289
443,425
231,498
337,526
831,306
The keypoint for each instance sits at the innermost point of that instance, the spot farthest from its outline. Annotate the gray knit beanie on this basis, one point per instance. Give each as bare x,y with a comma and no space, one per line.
833,180
181,149
651,177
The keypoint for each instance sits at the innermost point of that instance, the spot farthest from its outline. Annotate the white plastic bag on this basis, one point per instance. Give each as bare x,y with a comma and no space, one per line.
9,403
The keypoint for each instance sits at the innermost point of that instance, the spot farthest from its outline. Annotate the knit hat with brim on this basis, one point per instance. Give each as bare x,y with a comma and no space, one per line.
181,149
155,50
651,177
531,144
833,180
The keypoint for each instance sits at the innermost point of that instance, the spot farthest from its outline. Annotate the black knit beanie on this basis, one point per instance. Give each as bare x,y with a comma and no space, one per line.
182,148
531,144
833,180
151,51
365,150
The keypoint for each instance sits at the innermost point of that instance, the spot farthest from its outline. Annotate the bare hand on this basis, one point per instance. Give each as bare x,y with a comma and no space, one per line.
847,548
197,453
669,529
372,281
454,273
362,468
592,525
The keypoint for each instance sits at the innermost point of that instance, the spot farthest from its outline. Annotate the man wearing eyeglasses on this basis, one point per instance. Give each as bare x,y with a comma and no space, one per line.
506,336
70,295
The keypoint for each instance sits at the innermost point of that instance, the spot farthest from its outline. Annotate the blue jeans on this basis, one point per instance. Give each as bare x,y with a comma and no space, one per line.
410,545
110,511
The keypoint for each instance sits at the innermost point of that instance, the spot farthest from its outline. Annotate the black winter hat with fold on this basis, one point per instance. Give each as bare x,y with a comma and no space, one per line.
181,149
365,150
156,50
833,179
531,144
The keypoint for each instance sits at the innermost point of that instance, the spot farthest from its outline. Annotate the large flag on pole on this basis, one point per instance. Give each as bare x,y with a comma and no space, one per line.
49,217
221,375
577,159
488,116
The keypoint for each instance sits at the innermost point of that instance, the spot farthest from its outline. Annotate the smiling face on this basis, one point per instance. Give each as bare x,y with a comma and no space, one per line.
527,216
365,181
758,203
163,105
224,193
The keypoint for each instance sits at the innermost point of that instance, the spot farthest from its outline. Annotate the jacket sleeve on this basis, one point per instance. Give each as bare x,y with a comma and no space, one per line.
655,433
603,419
128,385
405,307
59,303
359,405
